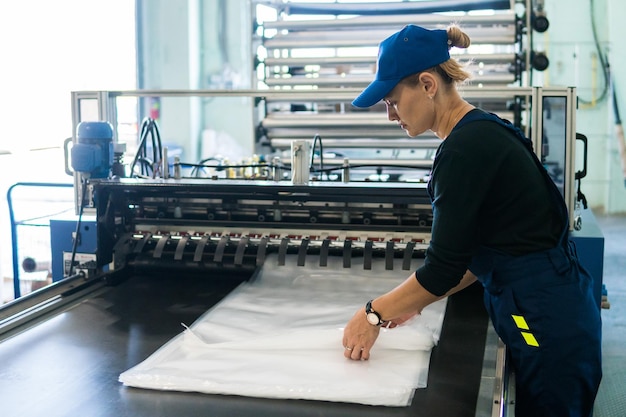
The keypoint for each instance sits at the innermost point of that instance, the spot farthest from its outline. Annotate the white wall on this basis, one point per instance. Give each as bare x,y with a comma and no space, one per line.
164,63
574,61
616,10
196,44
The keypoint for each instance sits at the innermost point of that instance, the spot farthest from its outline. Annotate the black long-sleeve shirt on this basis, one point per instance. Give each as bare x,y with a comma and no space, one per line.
485,190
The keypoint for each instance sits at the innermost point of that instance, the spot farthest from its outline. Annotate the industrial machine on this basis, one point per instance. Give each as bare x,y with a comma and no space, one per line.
166,239
167,244
171,243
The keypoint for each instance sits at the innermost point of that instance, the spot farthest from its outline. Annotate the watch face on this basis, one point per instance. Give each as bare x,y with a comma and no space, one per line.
373,319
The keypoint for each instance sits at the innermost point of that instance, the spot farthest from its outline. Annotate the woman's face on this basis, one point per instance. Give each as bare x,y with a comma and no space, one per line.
411,107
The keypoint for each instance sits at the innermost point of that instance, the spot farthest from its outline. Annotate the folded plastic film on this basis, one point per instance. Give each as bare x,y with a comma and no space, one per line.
279,336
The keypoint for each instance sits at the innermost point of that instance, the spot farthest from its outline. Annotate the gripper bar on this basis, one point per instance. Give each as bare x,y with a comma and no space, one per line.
250,250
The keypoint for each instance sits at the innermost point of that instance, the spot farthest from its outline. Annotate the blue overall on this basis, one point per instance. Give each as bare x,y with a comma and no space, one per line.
542,306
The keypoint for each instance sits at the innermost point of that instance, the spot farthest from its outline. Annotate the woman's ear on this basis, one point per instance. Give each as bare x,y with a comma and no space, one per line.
428,83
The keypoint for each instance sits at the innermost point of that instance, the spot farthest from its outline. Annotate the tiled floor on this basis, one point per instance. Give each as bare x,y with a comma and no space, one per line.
611,400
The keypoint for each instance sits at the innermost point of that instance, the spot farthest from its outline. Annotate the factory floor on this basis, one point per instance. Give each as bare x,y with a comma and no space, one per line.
611,400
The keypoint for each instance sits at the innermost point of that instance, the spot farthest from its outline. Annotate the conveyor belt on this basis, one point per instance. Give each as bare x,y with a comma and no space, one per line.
69,364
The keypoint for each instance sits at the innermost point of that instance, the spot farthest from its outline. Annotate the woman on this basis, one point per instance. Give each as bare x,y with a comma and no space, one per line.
497,218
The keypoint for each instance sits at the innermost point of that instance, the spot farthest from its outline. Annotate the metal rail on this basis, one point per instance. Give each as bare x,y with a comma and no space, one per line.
496,92
29,310
16,270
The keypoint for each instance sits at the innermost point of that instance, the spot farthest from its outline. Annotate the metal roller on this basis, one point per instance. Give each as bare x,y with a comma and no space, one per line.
361,81
430,21
379,162
282,137
371,60
393,8
343,120
499,36
471,92
364,80
345,143
349,71
349,133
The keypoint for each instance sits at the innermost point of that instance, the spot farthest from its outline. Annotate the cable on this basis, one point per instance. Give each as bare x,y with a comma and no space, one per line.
324,170
149,130
77,232
606,72
327,170
317,138
619,133
195,172
609,84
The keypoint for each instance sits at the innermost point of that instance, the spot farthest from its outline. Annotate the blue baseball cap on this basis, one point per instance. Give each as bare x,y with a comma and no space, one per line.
409,51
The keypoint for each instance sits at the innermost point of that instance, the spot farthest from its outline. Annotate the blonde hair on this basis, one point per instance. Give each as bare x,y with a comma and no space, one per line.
453,70
450,71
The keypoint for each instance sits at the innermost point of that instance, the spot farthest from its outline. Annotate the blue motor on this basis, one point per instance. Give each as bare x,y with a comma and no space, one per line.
92,155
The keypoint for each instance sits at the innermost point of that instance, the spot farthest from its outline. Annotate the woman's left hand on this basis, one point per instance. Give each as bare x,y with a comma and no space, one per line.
359,337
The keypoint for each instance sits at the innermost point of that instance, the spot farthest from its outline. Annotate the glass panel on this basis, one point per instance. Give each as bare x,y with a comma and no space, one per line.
88,109
554,138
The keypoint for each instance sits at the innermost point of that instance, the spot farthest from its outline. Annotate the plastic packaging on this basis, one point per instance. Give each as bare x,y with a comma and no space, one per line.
279,336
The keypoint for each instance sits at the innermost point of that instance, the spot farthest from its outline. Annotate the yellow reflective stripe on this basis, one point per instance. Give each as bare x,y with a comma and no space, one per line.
520,322
530,339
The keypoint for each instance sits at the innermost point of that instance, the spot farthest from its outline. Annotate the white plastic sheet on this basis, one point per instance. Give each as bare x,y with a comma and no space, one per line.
279,336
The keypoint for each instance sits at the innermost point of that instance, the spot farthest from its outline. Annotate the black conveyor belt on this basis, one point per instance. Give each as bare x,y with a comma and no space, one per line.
69,365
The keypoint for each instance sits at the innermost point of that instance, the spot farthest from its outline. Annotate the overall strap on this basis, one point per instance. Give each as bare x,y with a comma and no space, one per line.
477,115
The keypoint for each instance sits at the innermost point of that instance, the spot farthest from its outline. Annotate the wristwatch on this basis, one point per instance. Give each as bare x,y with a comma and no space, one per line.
372,316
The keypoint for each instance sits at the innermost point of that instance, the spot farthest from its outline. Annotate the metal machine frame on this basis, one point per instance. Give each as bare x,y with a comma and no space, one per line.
102,104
